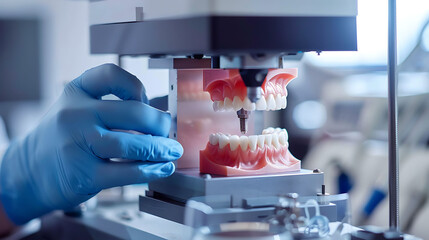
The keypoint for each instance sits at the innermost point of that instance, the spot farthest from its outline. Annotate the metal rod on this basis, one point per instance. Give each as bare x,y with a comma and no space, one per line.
393,121
243,115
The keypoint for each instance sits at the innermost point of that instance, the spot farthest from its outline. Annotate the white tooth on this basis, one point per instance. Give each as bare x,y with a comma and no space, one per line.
282,138
268,130
280,130
244,142
248,105
276,143
237,104
234,141
227,104
261,104
286,134
271,102
284,102
219,135
206,96
278,102
217,106
261,141
223,141
214,139
221,106
268,139
286,93
252,142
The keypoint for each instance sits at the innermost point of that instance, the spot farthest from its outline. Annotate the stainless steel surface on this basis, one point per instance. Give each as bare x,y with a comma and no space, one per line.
247,61
169,62
221,210
108,223
210,35
187,183
243,230
254,93
253,78
243,115
393,121
179,63
166,209
172,102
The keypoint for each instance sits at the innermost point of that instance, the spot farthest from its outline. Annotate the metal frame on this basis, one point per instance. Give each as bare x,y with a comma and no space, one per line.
211,35
172,102
393,121
187,183
167,197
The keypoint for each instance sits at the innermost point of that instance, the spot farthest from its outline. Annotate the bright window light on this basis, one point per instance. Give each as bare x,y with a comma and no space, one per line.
372,34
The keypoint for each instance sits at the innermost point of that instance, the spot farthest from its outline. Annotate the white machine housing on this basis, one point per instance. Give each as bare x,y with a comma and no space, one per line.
115,11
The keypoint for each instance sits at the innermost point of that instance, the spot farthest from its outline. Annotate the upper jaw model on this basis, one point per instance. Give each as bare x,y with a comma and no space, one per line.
248,155
228,92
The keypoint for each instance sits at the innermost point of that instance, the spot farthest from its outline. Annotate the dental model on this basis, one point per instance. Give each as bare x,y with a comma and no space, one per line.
257,154
228,92
233,155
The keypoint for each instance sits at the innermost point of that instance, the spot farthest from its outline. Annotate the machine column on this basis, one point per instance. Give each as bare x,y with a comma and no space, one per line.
393,122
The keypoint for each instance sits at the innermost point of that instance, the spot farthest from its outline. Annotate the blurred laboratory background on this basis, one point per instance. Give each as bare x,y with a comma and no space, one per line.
337,107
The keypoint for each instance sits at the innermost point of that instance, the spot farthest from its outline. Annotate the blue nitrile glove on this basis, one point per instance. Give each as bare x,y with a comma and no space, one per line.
65,160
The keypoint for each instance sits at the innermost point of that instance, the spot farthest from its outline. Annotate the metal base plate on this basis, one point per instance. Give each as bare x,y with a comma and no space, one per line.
189,183
252,197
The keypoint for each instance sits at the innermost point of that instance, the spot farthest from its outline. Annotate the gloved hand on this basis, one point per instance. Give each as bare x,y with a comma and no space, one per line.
65,160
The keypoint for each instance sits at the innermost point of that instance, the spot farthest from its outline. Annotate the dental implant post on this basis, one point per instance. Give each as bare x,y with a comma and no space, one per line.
243,115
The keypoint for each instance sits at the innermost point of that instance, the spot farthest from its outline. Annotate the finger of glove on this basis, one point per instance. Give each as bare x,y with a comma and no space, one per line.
111,144
160,103
133,115
111,79
115,174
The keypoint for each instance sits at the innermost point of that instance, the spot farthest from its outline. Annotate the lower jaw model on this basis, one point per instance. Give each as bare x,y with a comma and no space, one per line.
233,155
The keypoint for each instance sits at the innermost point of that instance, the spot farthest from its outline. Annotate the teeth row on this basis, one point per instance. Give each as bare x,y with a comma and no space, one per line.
270,102
271,130
276,139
